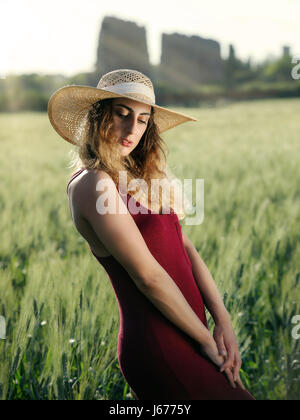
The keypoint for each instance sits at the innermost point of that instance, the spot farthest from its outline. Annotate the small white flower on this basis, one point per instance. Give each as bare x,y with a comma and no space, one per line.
102,343
43,323
72,341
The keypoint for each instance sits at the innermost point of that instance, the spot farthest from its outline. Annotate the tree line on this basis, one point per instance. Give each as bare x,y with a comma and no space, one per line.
242,80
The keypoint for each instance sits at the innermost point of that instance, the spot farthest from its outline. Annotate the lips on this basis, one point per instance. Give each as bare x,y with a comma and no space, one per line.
126,142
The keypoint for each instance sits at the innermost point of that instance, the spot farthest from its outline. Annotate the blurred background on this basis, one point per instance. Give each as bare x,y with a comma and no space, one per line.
196,52
235,66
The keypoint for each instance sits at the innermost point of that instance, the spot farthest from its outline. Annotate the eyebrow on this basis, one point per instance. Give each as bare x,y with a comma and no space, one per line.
130,109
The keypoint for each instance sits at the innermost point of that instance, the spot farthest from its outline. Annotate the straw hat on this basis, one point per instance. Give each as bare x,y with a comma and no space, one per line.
68,107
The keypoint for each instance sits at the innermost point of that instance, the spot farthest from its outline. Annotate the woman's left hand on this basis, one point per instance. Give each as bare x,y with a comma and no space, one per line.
227,345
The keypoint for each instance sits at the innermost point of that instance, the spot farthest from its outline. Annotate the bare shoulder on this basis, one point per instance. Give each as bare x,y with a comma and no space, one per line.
87,183
89,188
92,176
115,229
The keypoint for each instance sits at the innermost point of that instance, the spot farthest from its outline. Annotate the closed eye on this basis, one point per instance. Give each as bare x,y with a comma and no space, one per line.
124,116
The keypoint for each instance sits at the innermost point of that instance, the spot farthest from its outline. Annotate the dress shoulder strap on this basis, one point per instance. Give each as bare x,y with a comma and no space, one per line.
74,176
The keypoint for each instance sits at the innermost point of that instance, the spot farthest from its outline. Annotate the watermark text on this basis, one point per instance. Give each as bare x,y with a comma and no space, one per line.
296,329
296,69
2,328
182,197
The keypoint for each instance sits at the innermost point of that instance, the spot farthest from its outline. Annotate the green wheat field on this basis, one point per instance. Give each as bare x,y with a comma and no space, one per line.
61,314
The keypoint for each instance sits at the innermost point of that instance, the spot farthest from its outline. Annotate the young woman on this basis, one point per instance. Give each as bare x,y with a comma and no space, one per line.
165,349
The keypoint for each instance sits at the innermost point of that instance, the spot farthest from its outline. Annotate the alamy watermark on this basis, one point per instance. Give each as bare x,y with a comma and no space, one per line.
183,197
2,328
296,69
296,329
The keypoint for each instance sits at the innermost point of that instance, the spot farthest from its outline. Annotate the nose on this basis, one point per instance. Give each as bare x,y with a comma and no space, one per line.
131,125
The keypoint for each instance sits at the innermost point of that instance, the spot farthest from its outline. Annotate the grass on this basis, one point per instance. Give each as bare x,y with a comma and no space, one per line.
61,313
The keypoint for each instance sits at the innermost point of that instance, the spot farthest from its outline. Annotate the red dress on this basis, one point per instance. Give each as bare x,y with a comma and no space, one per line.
157,359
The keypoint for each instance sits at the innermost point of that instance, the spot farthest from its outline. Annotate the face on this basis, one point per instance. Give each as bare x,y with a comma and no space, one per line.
130,120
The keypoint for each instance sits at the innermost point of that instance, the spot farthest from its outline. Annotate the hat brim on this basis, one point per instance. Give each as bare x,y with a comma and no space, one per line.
69,105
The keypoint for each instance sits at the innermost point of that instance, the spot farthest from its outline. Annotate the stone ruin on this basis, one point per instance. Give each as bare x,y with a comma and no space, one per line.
190,60
185,61
122,45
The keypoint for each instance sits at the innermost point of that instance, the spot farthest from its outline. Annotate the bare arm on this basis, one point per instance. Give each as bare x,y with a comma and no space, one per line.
122,238
206,284
223,333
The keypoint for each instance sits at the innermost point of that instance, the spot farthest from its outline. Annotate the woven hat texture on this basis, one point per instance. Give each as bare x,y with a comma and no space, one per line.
68,107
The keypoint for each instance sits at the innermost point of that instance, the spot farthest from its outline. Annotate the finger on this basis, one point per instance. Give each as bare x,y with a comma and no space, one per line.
230,362
240,383
230,378
220,344
237,367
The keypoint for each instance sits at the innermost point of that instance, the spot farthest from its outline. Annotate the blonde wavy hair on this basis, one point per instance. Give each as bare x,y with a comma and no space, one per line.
100,150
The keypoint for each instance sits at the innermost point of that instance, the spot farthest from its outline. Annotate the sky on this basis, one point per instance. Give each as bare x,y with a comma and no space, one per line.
61,36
